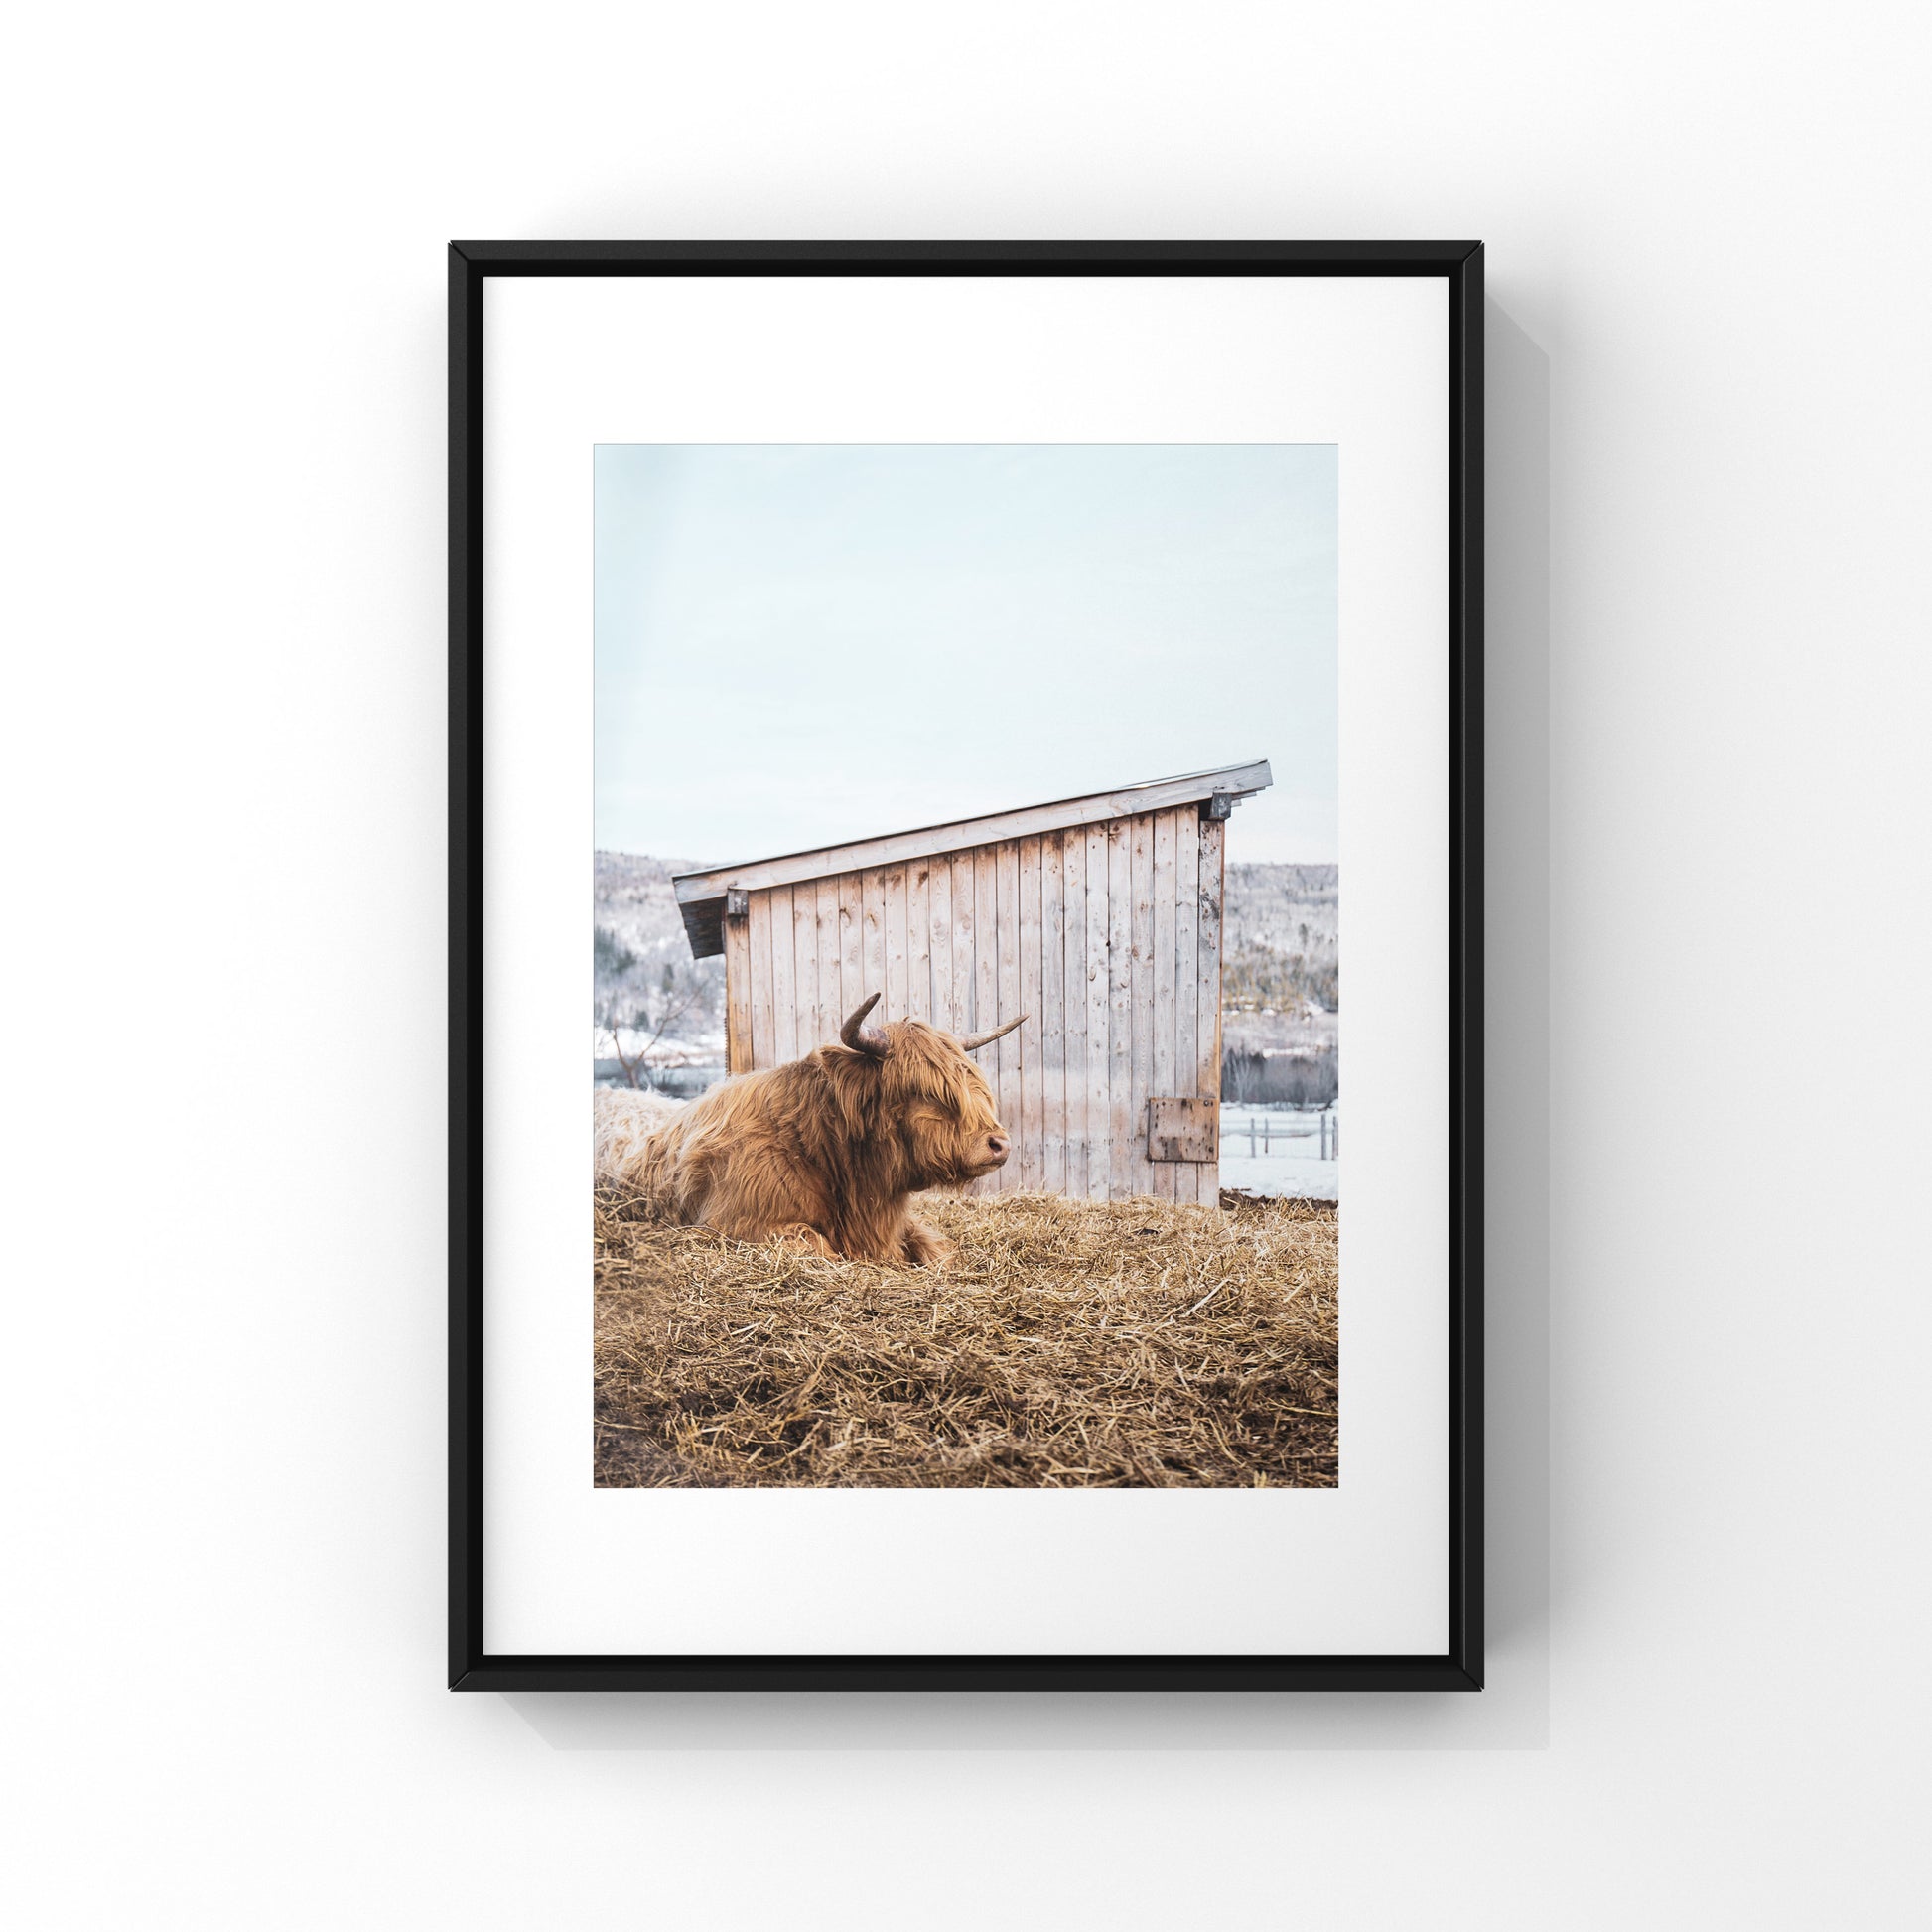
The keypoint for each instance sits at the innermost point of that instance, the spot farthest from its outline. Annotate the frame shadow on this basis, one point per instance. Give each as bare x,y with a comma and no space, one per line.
1513,1711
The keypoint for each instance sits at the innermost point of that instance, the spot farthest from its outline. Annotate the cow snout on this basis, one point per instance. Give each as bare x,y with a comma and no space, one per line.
996,1148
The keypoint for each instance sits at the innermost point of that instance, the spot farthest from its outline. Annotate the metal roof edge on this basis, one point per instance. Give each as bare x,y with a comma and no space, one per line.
699,889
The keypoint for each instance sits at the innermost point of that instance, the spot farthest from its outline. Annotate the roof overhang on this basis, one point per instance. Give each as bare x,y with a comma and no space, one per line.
701,895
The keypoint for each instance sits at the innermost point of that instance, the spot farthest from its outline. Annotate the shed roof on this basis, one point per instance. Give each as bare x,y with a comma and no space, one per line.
701,895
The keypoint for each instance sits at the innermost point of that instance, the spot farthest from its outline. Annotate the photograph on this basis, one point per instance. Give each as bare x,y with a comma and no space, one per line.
965,966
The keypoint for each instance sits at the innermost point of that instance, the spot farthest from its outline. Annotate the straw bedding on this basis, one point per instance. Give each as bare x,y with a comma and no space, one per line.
1067,1344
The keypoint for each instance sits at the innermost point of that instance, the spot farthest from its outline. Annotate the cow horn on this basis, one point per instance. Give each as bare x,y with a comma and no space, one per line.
987,1040
862,1039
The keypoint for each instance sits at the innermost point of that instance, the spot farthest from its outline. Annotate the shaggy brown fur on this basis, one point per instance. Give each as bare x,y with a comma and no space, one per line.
824,1151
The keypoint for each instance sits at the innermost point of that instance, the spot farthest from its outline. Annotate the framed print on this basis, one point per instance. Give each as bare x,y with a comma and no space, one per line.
958,715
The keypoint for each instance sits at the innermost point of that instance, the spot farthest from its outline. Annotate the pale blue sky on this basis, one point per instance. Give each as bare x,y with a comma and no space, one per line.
807,642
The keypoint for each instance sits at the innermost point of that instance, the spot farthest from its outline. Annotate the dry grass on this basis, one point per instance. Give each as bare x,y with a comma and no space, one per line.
1067,1344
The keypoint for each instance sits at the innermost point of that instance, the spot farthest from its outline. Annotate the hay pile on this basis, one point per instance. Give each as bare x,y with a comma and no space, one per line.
1067,1344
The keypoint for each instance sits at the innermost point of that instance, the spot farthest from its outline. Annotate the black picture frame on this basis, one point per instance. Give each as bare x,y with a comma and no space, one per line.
1459,1668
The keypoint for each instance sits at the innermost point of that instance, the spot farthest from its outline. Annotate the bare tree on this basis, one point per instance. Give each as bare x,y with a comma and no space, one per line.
678,997
1238,1072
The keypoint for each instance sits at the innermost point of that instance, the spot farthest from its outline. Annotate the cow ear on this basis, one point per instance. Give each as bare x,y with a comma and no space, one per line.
862,1039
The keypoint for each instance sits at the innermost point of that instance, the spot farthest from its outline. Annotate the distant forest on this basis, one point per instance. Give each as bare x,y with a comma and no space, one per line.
1280,985
1281,950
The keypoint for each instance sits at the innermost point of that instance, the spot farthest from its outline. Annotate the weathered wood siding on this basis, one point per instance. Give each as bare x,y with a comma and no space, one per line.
1108,935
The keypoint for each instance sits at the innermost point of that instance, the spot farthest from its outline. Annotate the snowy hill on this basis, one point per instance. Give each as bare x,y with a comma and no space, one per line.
652,1005
1279,983
636,904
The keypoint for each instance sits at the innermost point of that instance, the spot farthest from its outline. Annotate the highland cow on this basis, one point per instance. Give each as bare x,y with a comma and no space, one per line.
825,1151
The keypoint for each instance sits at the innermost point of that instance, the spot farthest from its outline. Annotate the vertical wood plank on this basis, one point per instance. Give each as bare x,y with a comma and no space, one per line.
1073,958
1005,873
984,980
804,943
804,967
1099,954
1208,1020
1052,1014
918,939
852,944
1143,999
872,890
964,959
898,992
1163,1016
784,990
939,942
826,916
1186,989
1120,1007
758,918
986,955
1032,1131
986,987
738,996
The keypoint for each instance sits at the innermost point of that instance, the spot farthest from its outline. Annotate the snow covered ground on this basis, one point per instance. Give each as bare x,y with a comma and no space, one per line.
1287,1153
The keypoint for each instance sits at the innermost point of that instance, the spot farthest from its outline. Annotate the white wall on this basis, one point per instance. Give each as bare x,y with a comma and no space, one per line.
222,798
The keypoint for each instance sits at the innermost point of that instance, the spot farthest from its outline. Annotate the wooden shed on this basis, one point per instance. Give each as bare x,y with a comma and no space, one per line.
1100,918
